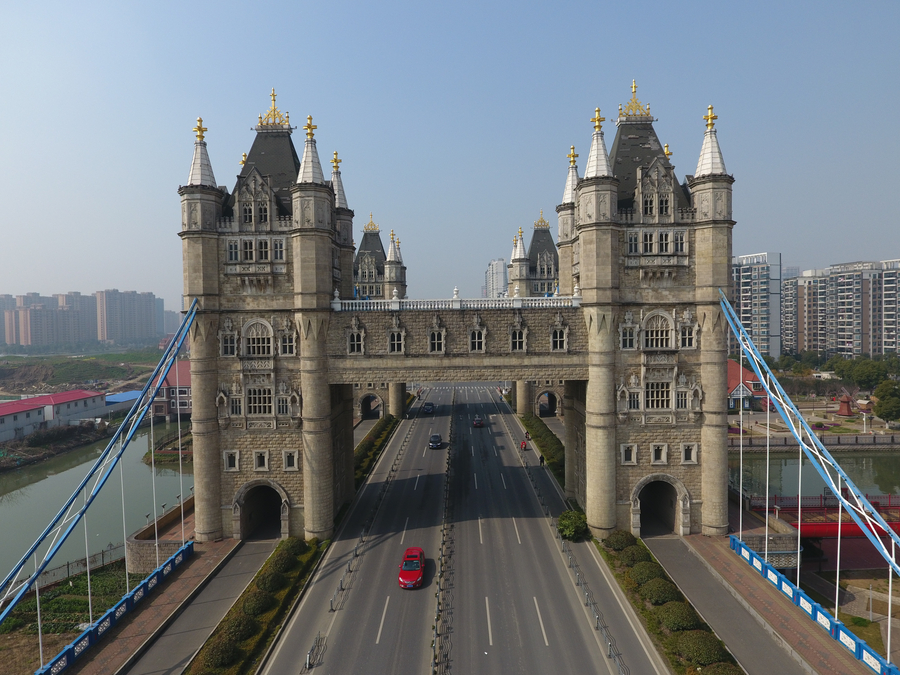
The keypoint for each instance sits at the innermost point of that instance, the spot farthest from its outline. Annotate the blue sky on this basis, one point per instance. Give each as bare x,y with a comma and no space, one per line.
453,121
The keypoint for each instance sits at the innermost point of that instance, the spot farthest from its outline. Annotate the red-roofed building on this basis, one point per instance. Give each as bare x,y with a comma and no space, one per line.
175,392
25,416
744,384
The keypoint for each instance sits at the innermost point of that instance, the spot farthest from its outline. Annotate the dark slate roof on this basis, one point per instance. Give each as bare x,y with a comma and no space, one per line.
542,240
637,144
273,154
371,244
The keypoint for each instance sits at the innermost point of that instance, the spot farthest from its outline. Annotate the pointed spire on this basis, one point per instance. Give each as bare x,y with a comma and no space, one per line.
512,256
710,162
399,254
392,250
598,159
340,200
201,169
571,179
519,252
310,167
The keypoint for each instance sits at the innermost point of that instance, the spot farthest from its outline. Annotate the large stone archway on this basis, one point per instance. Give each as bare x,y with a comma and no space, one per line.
681,508
368,400
252,507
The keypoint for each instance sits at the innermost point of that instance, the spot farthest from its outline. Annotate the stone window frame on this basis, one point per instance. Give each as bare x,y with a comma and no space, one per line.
248,250
282,405
278,254
662,451
688,331
263,213
623,454
247,213
228,344
476,341
663,242
261,460
559,339
633,242
682,399
657,395
657,332
287,344
679,242
293,454
233,251
260,402
648,202
437,337
664,202
647,243
397,342
262,250
235,405
256,339
518,340
231,454
634,400
690,453
356,338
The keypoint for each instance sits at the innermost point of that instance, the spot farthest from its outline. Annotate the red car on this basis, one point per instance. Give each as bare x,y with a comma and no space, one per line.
477,422
412,569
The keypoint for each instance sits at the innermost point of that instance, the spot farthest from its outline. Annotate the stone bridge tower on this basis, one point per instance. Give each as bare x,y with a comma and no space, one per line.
648,256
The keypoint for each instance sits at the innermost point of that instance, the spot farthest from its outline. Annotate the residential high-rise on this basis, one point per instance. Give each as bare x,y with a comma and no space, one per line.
757,299
126,316
495,279
84,308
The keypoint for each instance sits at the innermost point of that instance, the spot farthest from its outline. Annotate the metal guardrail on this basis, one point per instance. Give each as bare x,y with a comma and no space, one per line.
442,629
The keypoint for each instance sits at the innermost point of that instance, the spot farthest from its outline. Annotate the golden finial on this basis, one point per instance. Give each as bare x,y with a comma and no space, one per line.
392,235
336,161
596,119
398,242
710,119
521,236
541,223
666,151
243,160
634,108
309,126
370,226
572,156
274,117
200,129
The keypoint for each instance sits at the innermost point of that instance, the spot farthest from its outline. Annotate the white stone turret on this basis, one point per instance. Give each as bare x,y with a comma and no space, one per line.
517,270
343,217
340,200
201,168
394,271
515,248
598,159
310,168
571,179
710,162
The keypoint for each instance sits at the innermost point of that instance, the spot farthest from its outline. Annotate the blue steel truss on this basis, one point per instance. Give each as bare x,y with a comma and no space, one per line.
62,525
856,504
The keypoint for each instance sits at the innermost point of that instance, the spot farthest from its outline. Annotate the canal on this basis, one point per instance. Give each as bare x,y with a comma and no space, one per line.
32,495
872,472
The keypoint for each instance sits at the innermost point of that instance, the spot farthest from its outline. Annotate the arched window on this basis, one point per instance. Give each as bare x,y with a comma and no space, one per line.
657,334
257,339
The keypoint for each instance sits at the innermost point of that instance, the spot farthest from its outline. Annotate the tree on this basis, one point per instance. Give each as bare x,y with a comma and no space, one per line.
867,373
888,405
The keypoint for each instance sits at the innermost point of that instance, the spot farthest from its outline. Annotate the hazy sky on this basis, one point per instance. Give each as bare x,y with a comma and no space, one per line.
453,121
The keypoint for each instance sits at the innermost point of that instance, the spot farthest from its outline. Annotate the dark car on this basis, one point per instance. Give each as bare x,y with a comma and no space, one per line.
477,422
412,568
428,407
435,441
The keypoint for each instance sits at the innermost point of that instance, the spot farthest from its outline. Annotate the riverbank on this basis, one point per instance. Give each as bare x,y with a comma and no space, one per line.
16,454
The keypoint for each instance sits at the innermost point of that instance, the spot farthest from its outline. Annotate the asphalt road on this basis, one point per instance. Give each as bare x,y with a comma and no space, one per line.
512,599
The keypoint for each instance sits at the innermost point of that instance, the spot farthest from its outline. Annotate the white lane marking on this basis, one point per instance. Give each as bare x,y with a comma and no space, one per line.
381,625
424,451
476,480
504,481
403,536
495,451
514,525
487,609
473,451
480,538
417,481
541,621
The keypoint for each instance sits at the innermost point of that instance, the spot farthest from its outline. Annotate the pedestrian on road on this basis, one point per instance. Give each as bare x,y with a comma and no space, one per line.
542,460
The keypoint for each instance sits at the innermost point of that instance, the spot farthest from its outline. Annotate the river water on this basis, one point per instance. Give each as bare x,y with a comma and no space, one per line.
872,472
32,495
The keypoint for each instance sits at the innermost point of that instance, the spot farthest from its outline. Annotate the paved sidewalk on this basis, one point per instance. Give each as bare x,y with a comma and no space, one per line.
787,623
131,634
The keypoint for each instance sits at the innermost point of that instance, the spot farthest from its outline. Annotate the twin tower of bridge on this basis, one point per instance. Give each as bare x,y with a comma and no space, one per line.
634,339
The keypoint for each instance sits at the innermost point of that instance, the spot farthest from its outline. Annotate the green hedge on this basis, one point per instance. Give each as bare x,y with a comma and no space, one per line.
572,525
548,445
675,628
245,632
370,447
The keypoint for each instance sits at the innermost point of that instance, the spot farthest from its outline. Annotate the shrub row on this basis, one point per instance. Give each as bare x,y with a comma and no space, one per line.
250,624
572,525
549,445
369,448
688,643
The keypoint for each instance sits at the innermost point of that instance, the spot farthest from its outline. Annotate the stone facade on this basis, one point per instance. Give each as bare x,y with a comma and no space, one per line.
283,350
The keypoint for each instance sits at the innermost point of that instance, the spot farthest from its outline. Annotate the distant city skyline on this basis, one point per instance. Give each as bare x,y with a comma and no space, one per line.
454,136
